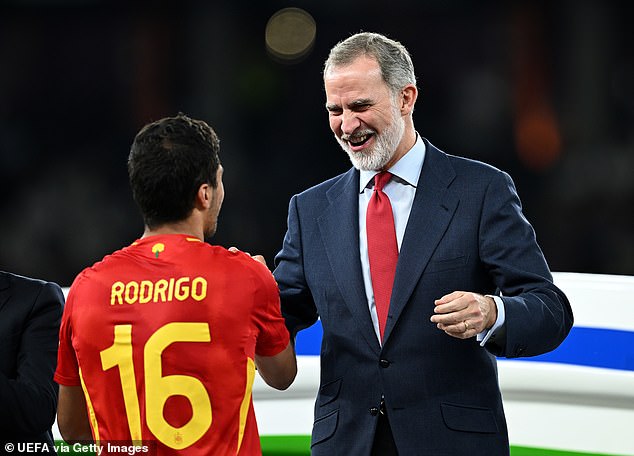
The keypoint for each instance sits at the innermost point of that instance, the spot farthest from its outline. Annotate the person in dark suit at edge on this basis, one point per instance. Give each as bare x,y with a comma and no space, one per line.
30,314
422,269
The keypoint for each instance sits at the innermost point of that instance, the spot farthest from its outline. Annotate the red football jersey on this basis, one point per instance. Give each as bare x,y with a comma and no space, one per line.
162,336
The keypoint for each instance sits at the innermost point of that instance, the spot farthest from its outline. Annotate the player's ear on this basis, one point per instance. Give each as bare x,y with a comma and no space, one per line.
203,196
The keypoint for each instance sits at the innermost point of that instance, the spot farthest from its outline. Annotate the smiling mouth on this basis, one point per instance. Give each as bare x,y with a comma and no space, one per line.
357,141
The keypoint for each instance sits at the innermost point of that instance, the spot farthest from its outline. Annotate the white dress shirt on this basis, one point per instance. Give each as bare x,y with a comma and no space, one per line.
401,190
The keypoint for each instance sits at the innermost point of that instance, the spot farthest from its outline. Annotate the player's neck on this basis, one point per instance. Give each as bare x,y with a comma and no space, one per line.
183,227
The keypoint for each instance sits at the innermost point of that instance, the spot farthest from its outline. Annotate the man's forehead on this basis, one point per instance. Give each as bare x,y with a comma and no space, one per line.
362,63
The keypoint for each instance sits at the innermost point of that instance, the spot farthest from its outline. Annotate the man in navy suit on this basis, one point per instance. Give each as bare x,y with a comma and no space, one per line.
469,281
30,313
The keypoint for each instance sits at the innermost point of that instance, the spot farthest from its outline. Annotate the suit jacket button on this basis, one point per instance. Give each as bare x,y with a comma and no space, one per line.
384,363
374,411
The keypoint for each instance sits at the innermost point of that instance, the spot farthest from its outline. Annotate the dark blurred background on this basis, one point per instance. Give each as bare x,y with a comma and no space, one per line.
541,89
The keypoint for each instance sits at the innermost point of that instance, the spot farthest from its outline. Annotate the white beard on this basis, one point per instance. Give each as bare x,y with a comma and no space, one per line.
376,157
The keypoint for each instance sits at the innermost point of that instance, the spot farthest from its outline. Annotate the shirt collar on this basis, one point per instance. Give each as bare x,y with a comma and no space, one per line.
407,169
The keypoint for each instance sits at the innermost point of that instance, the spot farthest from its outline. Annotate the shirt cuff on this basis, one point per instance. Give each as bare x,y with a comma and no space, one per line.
485,335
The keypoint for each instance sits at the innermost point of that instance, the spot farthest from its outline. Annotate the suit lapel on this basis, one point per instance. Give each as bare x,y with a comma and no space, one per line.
433,208
339,227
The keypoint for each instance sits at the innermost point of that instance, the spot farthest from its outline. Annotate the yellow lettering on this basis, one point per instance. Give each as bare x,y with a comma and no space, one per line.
145,292
116,292
134,288
163,290
199,288
182,291
170,291
159,290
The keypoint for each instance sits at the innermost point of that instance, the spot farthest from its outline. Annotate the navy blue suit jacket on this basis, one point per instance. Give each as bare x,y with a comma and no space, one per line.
30,313
465,232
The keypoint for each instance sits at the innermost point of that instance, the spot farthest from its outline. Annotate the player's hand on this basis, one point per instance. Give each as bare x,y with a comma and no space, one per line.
259,258
463,314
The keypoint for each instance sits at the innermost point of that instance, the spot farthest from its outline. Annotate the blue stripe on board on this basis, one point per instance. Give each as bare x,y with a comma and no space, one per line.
595,347
308,341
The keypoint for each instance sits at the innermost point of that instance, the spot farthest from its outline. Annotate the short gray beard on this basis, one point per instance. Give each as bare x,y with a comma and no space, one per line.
383,151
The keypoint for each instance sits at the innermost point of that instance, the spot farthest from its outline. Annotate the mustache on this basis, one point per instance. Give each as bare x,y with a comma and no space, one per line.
357,134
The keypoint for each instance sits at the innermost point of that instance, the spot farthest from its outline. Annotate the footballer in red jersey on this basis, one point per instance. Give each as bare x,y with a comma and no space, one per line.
160,340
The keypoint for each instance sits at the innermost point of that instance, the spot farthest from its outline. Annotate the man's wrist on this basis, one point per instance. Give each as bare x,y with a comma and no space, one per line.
500,318
493,311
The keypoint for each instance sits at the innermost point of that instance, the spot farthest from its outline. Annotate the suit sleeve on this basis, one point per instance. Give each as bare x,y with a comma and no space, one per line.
29,401
298,306
538,314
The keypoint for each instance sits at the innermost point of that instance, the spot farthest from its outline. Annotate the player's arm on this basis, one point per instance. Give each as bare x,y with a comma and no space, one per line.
278,371
72,415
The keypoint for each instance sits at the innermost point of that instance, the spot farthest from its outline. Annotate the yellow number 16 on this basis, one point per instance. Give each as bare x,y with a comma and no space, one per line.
159,388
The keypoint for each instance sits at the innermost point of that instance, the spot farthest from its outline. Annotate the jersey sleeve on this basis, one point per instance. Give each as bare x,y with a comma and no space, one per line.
273,336
67,372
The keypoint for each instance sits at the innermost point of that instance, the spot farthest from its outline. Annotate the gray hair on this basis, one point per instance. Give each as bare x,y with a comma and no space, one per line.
394,60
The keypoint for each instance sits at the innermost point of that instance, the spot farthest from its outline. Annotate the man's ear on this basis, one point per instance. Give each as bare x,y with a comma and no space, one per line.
408,99
204,195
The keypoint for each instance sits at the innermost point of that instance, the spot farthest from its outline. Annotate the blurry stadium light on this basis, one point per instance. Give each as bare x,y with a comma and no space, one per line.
537,133
537,137
290,34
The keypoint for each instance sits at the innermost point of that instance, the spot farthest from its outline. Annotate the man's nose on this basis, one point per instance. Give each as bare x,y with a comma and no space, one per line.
349,122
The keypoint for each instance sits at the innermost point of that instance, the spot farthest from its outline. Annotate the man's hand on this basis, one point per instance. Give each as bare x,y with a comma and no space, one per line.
259,258
463,314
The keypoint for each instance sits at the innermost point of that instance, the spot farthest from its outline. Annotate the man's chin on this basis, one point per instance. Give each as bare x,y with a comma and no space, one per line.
363,163
361,167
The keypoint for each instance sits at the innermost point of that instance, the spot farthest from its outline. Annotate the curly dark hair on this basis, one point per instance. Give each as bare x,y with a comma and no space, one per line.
169,160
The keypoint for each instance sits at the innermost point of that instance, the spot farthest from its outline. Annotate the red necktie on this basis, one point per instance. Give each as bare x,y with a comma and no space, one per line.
382,247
